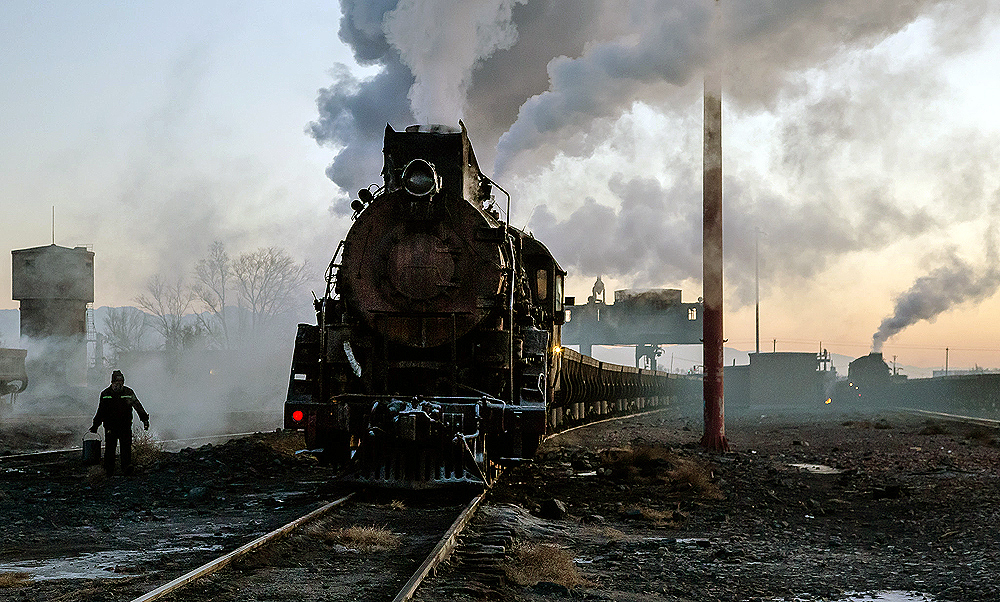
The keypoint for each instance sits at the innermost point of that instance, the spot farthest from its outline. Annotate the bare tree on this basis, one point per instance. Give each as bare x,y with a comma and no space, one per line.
194,336
266,281
213,279
167,302
123,330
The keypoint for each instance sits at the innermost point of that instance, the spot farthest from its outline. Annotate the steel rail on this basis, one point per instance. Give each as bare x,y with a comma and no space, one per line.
218,563
987,422
612,419
21,417
77,450
219,436
441,551
41,454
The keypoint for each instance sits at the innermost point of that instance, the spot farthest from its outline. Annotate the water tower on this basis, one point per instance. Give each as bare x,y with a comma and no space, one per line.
54,285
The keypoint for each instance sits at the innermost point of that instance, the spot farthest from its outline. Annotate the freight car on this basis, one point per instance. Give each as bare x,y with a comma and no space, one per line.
592,390
436,355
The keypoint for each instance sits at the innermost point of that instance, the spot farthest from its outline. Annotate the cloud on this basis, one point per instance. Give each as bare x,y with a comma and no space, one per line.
839,139
487,63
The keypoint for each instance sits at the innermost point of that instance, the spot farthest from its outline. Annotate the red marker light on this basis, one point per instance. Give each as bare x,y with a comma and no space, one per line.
297,415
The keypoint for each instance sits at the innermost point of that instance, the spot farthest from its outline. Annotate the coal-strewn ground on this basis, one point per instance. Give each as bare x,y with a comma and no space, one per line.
122,536
912,505
23,437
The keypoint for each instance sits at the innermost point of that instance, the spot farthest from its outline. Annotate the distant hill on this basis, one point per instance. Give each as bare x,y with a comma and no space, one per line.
10,326
684,356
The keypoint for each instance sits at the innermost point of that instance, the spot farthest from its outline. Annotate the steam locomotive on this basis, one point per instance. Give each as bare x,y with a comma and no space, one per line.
436,355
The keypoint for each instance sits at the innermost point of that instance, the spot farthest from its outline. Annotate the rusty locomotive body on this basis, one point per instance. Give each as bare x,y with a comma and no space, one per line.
436,354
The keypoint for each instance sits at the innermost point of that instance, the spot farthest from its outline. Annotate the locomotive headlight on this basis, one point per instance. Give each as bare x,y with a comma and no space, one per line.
420,178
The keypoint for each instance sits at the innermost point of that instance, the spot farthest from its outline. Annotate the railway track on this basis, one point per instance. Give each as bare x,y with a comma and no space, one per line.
318,556
139,537
984,422
166,445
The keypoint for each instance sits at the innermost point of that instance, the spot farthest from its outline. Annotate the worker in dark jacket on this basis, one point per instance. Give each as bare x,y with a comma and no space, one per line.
115,413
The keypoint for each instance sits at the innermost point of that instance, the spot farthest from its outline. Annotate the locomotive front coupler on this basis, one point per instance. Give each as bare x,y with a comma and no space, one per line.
420,418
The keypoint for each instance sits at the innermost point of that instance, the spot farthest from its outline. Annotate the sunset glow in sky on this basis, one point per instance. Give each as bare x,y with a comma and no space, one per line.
861,138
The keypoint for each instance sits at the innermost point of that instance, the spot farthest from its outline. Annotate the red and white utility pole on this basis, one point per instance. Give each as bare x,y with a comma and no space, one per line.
714,437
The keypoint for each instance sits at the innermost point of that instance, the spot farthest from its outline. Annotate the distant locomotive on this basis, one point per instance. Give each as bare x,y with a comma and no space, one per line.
871,383
436,354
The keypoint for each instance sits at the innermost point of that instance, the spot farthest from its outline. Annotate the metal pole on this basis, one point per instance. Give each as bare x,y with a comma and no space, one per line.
756,283
510,307
714,437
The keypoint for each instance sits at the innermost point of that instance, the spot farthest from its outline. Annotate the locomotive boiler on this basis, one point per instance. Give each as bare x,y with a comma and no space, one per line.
436,348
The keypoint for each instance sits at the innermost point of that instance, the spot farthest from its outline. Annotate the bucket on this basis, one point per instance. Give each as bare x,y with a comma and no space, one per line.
91,451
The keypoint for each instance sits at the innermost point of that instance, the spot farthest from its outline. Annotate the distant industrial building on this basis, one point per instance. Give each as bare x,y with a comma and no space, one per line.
54,286
644,318
783,379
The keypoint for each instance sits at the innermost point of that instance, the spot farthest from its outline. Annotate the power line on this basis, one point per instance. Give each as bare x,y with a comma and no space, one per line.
826,343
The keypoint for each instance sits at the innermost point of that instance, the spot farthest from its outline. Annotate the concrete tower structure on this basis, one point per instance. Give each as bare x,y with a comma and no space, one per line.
54,285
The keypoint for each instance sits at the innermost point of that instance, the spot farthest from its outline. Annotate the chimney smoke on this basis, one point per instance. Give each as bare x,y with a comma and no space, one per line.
935,293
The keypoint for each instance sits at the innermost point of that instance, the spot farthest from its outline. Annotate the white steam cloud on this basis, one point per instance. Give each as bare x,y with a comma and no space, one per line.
442,41
665,49
596,110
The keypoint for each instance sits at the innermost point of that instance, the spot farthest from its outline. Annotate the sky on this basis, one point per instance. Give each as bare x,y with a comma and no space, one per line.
860,144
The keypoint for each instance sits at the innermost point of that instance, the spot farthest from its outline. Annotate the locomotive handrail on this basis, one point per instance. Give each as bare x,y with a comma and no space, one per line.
331,270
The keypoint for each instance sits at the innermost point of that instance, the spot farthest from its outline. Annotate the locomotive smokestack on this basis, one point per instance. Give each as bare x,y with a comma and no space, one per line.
715,430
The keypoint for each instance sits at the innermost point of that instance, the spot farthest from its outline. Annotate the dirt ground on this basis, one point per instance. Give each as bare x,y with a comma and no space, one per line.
876,503
801,509
73,534
20,437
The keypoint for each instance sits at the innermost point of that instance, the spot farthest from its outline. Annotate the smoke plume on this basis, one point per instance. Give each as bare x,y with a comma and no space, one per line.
956,281
595,109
